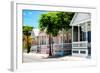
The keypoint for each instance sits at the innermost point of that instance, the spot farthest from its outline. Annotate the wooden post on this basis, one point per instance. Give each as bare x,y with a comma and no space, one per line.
86,33
72,36
78,35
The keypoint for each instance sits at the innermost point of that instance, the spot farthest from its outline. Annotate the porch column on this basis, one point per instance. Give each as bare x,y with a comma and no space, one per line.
86,24
78,33
72,35
86,32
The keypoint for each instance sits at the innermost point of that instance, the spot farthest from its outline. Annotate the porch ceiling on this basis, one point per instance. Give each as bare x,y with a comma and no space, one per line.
80,18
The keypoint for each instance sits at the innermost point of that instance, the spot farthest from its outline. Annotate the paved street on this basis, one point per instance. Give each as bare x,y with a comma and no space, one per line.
34,57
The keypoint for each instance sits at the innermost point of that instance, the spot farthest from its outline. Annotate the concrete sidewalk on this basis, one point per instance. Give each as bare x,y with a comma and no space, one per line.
35,57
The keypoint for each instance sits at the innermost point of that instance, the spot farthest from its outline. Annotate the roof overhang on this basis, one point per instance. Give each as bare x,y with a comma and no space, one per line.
72,23
80,22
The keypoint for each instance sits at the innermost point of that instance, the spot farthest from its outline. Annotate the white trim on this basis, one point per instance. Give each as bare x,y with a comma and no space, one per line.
14,45
72,33
78,43
79,23
78,33
73,18
37,66
86,33
80,54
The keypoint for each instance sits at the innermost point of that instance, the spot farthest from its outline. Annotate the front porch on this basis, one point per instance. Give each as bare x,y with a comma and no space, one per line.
81,39
81,34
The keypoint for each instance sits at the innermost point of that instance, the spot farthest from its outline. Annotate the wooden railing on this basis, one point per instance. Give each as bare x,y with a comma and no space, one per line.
63,46
82,44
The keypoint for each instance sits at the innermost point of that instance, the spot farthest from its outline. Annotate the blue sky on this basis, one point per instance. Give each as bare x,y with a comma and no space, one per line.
31,17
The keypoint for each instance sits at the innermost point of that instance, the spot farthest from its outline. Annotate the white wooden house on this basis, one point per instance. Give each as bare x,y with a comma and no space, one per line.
81,34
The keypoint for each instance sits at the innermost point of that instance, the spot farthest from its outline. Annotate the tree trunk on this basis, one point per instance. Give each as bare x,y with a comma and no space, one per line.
28,46
52,45
50,50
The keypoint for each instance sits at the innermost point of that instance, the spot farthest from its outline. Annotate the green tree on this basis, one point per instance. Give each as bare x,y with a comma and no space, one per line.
64,19
53,22
26,36
48,23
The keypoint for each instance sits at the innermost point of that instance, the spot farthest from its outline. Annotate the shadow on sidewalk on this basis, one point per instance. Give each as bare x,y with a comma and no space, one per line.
57,56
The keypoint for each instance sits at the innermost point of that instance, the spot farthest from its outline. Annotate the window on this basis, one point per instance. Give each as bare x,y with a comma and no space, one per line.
82,52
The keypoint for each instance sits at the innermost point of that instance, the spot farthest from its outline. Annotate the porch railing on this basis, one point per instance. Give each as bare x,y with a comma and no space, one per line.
61,46
82,44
